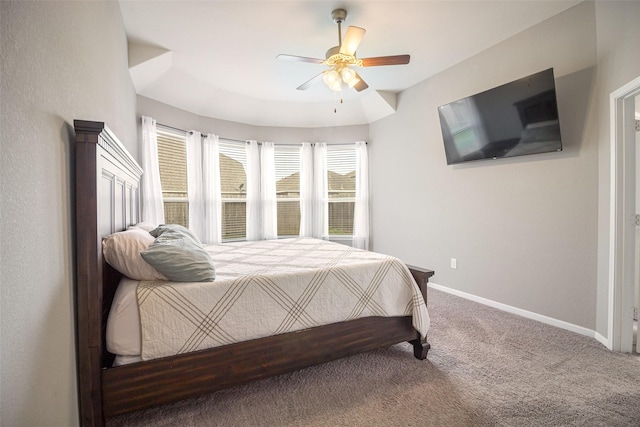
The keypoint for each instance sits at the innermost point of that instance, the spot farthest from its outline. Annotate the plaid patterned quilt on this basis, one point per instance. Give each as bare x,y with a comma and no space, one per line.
272,287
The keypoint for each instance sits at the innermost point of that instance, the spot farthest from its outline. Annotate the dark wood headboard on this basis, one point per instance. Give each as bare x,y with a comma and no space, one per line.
107,200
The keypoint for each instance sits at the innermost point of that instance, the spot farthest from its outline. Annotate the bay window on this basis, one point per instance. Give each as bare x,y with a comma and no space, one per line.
337,163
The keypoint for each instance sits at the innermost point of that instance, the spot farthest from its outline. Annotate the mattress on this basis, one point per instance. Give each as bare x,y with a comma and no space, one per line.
262,288
123,323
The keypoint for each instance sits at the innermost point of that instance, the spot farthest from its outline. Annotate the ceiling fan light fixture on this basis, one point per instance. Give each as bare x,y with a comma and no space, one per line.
330,77
348,75
336,86
333,79
340,59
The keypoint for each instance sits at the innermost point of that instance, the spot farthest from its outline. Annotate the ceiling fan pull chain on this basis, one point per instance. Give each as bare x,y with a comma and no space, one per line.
335,99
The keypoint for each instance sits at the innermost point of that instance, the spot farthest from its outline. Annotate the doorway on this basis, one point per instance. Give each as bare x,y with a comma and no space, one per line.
637,229
622,243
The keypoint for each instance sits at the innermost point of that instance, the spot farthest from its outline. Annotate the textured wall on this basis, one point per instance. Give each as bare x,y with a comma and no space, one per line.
60,61
523,230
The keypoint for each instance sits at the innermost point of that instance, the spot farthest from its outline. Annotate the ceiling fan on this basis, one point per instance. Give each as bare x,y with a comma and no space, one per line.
340,59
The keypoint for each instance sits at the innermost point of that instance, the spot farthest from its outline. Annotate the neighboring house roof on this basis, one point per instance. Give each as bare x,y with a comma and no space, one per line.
289,184
335,181
172,158
338,182
234,179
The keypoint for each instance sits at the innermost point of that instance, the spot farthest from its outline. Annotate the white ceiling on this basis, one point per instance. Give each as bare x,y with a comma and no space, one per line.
218,58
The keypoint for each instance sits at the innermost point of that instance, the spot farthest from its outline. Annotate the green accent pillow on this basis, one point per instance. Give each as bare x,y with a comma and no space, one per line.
178,254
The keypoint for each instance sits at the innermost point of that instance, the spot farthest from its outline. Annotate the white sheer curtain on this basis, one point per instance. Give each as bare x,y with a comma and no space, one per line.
152,204
194,184
361,209
269,203
320,203
212,203
253,191
306,190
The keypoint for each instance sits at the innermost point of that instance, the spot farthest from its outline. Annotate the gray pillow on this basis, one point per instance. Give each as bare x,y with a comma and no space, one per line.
174,228
179,256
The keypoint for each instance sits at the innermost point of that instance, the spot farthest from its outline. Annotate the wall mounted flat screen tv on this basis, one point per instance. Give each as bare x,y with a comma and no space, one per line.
515,119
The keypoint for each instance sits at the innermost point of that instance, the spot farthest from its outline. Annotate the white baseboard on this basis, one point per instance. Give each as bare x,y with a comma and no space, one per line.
524,313
603,340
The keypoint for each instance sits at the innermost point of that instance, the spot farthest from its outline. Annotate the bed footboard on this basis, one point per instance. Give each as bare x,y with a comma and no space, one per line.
187,375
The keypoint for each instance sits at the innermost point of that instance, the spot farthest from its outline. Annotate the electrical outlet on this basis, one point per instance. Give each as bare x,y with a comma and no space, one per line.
454,263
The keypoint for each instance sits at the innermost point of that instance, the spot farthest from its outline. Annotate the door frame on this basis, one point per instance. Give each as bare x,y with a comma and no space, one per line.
622,219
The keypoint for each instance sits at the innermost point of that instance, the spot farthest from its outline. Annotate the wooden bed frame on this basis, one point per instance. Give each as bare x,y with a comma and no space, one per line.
108,200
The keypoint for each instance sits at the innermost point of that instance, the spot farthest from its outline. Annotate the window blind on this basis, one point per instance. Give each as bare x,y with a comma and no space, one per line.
233,188
341,182
287,167
172,159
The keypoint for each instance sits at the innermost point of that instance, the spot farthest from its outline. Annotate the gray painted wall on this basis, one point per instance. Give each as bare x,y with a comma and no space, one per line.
60,61
182,119
523,230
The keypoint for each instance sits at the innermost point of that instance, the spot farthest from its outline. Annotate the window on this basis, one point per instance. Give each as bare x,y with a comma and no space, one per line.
341,181
287,166
172,159
233,186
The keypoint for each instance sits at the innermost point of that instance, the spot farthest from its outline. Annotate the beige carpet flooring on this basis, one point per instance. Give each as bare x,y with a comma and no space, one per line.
486,368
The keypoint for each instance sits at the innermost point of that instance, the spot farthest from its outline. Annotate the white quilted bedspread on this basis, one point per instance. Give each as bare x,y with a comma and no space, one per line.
271,287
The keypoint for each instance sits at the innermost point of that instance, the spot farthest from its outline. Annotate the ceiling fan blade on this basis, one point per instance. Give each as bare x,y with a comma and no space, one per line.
306,85
352,40
361,85
386,60
299,59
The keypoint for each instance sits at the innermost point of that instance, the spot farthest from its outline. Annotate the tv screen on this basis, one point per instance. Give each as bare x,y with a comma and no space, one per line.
517,118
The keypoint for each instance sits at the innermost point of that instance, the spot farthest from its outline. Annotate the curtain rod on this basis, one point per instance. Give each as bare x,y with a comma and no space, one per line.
221,137
190,131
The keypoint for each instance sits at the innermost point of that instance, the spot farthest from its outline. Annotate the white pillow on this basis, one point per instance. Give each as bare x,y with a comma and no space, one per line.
122,251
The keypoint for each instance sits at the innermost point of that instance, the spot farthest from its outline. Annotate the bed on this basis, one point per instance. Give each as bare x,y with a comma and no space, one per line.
107,201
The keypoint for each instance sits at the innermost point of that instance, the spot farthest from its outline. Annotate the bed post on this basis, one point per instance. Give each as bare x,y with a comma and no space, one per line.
421,276
89,275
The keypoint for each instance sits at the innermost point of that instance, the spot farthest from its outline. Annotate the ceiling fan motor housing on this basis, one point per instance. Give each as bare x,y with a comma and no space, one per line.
339,15
334,50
